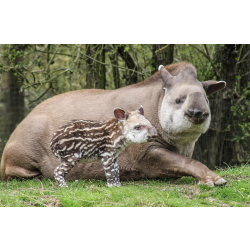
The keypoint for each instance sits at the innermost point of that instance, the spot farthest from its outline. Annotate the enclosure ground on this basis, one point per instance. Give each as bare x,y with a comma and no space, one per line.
183,192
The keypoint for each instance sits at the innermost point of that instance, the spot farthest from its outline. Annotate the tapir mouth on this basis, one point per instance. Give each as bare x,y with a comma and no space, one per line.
198,120
152,134
152,138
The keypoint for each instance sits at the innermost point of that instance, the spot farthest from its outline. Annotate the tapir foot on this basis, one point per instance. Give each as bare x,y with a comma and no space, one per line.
221,181
116,184
211,183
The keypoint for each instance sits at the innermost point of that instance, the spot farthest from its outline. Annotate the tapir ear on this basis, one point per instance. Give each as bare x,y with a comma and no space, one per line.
140,110
212,87
120,114
166,77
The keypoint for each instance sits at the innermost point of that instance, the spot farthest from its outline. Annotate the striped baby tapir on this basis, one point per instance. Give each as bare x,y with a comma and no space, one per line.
99,140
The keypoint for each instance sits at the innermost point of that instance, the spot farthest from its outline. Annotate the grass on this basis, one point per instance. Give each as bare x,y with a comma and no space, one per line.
183,192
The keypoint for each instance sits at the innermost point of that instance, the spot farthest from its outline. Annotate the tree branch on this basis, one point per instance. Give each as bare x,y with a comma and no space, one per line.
208,58
52,58
35,58
109,64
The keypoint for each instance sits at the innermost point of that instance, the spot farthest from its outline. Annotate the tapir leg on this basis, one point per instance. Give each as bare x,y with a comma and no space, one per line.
19,172
158,162
65,166
17,167
111,169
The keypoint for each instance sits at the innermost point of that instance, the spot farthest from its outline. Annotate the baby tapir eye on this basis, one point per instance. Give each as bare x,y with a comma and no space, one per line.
178,101
138,127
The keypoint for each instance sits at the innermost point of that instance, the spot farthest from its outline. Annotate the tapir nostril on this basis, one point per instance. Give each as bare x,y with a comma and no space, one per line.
190,112
198,113
195,113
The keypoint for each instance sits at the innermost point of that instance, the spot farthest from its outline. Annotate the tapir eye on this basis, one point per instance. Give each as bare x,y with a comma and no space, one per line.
137,127
178,101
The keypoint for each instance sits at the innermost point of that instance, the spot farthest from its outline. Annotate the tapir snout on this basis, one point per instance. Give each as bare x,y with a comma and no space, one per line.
153,132
197,109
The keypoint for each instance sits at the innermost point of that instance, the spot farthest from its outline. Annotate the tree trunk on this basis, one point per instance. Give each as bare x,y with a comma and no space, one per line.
96,71
132,75
101,68
12,108
115,70
163,54
91,76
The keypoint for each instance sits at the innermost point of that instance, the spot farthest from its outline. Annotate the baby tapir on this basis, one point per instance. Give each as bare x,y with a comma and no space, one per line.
105,140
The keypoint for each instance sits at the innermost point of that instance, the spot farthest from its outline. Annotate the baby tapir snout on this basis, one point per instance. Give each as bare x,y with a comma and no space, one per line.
153,132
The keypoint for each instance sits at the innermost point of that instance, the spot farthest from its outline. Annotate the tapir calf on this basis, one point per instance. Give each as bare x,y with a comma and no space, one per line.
103,140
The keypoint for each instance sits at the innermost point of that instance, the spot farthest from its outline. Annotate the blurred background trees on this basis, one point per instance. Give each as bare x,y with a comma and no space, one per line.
30,74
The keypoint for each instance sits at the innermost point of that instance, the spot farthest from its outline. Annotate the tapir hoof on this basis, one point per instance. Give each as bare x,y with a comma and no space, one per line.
220,182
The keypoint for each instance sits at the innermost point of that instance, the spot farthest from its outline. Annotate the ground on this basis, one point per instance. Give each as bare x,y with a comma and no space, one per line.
183,192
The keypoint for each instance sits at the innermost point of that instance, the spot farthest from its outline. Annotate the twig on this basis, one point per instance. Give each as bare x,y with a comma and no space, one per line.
245,74
52,58
242,97
46,81
35,58
236,93
77,57
109,64
243,57
40,96
20,75
48,52
164,47
209,59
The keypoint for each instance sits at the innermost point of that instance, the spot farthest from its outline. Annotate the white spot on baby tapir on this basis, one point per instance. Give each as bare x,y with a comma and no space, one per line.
71,147
106,154
78,144
98,141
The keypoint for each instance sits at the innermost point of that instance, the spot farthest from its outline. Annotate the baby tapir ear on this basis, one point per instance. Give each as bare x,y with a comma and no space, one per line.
120,114
140,110
212,86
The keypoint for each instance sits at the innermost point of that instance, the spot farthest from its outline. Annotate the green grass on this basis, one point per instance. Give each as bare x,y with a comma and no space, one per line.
183,192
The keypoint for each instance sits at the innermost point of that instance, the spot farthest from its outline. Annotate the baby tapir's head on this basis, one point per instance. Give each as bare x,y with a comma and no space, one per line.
136,128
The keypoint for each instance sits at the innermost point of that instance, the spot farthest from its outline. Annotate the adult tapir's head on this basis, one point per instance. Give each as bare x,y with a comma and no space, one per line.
185,106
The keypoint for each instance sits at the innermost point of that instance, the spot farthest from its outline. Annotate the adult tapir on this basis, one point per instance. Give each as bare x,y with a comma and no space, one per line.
174,101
